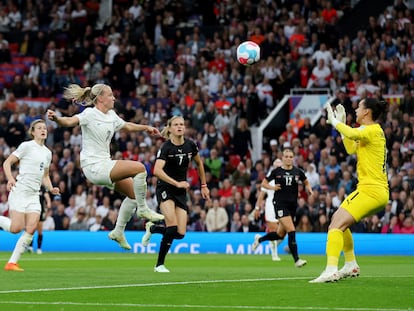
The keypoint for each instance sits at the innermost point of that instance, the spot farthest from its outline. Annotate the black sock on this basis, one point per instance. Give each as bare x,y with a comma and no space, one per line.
292,245
157,229
270,236
166,242
39,241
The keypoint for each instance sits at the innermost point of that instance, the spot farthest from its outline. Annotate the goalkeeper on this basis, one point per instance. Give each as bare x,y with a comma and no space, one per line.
368,143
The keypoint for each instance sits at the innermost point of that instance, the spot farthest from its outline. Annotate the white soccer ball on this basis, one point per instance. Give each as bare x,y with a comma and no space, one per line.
248,53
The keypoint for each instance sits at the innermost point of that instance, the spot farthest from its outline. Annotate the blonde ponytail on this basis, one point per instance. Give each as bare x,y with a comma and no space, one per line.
83,96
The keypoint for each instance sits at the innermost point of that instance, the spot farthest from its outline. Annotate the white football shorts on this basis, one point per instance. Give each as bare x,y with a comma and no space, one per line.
24,201
100,173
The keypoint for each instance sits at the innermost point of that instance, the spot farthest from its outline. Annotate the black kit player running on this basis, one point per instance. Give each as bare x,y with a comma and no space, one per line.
287,178
171,168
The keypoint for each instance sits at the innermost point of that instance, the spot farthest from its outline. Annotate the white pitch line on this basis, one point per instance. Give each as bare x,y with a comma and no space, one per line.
187,306
145,285
33,290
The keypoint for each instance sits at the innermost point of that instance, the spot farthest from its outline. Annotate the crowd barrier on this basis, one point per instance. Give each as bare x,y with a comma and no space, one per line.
204,243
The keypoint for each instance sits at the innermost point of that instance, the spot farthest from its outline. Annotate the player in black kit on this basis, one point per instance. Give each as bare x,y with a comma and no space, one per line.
171,168
287,177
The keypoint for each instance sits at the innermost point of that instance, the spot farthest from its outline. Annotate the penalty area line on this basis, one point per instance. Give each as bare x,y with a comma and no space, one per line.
33,290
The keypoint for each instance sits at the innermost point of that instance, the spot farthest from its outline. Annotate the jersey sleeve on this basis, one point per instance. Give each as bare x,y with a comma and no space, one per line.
361,133
302,175
118,122
83,116
271,175
162,152
194,148
21,150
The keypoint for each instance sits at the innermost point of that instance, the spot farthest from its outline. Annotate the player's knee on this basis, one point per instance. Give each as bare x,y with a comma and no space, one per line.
15,228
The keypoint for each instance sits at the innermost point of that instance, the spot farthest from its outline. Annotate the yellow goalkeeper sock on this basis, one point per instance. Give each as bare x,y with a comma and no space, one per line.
348,246
334,246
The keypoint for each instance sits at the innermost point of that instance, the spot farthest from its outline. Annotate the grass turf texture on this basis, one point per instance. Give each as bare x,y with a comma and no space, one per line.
125,281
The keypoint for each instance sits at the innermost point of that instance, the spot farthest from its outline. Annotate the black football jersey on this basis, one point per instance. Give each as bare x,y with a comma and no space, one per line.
177,158
288,180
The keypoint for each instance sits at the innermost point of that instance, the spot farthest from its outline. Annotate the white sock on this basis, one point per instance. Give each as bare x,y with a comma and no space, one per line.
351,263
5,223
125,213
331,269
140,189
274,247
22,243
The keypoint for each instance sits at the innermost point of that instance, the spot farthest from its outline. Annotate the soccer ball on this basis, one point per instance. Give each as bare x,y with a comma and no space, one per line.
248,53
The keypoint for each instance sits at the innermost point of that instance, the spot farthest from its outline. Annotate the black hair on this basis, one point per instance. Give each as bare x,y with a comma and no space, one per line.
377,107
289,148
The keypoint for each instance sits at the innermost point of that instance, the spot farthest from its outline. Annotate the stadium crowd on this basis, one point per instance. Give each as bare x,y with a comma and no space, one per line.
164,58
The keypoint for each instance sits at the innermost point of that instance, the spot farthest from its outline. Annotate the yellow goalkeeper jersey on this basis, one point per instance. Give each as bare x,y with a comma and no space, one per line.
368,142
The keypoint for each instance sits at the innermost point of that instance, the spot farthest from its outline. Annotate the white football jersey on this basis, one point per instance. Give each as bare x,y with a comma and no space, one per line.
269,194
34,159
98,128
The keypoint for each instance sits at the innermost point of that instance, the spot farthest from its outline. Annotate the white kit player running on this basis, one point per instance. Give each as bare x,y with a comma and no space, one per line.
270,217
99,124
34,160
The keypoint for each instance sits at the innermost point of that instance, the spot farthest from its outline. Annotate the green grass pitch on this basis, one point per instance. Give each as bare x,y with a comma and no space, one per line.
126,281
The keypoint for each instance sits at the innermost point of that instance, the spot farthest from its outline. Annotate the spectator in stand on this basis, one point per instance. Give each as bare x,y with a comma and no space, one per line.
19,87
392,227
297,122
4,22
214,164
235,223
407,226
306,130
164,53
201,224
242,140
80,220
92,68
329,14
322,53
312,175
265,93
127,82
304,224
226,189
110,220
5,54
241,177
217,218
247,225
321,77
15,132
407,102
46,77
289,135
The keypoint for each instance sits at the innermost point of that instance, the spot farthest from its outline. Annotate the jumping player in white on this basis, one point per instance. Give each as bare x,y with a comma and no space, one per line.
99,124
